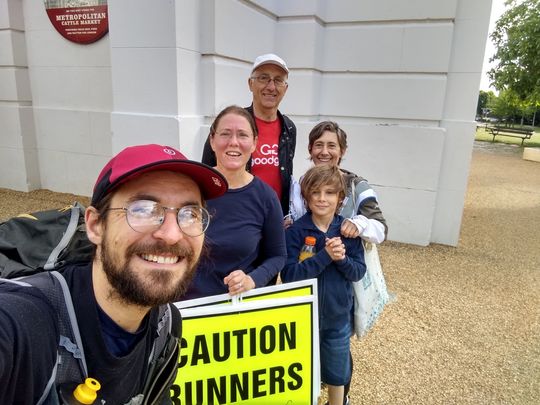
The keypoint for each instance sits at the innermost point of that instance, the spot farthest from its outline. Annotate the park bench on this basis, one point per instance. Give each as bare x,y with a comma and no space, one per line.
523,133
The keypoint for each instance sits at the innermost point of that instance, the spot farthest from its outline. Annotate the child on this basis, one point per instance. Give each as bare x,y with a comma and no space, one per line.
336,263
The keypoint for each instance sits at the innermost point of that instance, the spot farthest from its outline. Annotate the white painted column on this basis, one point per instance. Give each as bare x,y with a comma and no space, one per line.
468,44
155,64
18,156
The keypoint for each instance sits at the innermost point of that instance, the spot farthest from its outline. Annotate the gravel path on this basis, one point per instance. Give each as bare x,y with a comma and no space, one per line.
465,326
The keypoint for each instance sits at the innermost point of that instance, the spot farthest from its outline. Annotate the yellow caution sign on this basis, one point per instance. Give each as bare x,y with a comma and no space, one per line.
258,351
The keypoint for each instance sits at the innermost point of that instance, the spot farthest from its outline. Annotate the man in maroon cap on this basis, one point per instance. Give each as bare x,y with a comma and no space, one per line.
272,160
147,220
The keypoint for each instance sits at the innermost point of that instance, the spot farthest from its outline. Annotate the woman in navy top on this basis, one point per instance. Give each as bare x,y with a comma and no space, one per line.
245,239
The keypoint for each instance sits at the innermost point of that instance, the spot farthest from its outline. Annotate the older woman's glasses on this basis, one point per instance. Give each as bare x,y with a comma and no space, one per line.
266,79
147,216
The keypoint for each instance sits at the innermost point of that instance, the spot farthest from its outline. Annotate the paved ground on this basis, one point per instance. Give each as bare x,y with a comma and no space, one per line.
465,328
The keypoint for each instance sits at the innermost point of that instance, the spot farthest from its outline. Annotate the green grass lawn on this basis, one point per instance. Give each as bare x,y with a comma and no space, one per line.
483,135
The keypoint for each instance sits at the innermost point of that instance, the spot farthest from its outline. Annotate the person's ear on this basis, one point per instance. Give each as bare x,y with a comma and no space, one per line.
250,84
342,153
94,227
211,137
255,140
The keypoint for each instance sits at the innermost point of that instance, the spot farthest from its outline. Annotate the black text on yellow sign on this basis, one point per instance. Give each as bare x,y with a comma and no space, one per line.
262,356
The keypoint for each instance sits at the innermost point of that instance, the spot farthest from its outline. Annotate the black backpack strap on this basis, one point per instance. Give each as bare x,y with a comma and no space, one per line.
76,211
163,361
71,361
72,342
46,397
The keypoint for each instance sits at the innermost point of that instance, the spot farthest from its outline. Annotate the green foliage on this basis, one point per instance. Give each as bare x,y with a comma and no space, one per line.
517,39
485,99
508,108
506,105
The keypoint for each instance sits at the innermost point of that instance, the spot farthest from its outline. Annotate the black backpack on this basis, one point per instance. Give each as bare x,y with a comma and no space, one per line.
44,240
32,246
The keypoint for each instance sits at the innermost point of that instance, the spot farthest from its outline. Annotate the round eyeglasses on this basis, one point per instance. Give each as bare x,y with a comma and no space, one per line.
147,216
266,79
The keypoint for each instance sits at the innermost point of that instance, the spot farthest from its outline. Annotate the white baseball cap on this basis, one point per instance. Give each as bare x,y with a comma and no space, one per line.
269,58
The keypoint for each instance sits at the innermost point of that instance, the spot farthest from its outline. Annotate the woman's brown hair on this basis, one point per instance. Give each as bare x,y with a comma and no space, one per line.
331,126
236,110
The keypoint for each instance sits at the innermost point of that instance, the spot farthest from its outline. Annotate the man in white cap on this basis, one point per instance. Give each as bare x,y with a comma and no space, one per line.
272,161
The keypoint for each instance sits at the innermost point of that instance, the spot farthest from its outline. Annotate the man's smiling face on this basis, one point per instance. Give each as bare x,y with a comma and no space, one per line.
154,267
267,96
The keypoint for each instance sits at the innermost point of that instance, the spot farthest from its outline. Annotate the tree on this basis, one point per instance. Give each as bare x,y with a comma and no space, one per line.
517,39
509,108
485,99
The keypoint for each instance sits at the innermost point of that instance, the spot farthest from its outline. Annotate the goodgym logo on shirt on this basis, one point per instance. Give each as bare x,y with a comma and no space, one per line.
266,155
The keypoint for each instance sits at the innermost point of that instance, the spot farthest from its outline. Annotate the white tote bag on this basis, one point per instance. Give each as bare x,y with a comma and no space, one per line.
370,293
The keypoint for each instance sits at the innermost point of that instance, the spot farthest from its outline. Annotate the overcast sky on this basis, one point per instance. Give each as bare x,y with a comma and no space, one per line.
497,9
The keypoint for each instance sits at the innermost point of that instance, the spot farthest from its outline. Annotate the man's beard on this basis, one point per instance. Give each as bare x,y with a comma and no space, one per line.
156,289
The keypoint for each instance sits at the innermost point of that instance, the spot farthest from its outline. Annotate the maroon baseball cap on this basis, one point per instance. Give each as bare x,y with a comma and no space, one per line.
136,160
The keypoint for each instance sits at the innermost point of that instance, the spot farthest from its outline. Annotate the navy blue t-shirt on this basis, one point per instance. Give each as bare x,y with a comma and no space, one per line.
246,232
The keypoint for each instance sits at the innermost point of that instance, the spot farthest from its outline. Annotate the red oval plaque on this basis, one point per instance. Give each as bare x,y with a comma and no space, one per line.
80,21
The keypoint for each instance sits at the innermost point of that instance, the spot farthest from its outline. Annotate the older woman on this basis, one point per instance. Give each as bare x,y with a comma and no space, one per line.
245,239
327,145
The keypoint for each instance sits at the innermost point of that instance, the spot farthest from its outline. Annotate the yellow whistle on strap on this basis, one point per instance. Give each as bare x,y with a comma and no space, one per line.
86,393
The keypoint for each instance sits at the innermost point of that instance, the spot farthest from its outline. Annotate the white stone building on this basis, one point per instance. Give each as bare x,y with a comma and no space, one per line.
401,77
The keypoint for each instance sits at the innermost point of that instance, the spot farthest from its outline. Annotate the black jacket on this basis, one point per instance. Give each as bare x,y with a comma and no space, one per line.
287,145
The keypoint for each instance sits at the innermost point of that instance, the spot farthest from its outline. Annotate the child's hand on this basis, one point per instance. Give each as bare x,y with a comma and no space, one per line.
287,221
335,248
